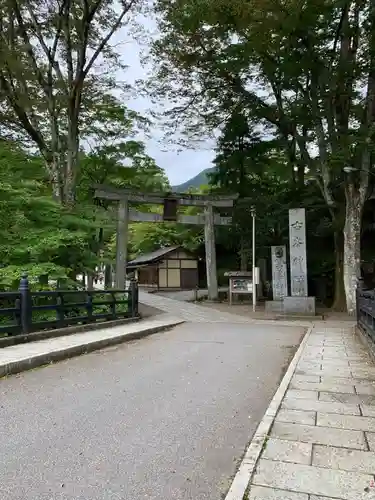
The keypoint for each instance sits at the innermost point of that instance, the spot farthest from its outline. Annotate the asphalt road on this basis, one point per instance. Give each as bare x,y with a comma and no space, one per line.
167,417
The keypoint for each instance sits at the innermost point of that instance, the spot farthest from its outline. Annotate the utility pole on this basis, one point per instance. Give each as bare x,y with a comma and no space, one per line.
253,215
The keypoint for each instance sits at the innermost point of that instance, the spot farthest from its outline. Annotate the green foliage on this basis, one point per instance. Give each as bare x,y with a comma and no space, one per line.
302,72
146,237
53,242
56,80
40,237
295,70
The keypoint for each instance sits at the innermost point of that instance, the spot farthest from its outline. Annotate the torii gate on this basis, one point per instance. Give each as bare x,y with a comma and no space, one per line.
170,202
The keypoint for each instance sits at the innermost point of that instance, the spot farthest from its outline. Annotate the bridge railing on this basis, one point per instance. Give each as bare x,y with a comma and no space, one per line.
366,310
25,311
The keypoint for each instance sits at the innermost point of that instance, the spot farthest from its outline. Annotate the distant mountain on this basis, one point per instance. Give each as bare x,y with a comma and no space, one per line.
195,182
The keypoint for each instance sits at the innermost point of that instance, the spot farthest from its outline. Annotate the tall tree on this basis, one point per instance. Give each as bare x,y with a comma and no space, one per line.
303,70
41,236
241,159
56,61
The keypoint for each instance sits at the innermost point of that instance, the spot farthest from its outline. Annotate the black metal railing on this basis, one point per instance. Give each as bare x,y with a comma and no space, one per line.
26,311
366,310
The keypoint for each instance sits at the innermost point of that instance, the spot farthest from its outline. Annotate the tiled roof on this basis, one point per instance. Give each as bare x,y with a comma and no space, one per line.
148,258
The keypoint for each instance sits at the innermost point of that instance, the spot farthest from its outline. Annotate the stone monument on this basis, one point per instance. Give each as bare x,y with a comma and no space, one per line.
299,302
279,280
279,272
297,252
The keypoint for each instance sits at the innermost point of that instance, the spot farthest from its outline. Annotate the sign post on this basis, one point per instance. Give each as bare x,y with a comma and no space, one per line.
253,215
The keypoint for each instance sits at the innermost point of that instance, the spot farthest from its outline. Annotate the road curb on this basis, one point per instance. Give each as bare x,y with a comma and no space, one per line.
31,362
243,476
62,332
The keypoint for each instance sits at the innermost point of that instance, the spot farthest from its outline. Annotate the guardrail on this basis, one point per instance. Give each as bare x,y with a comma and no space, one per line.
366,310
25,311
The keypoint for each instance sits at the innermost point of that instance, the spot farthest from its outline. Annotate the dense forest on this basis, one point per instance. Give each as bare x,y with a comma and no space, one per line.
286,88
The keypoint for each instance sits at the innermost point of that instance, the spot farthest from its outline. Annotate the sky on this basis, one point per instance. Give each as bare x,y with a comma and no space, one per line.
180,166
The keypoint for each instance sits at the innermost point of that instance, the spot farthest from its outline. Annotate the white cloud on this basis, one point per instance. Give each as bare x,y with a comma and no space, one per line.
179,165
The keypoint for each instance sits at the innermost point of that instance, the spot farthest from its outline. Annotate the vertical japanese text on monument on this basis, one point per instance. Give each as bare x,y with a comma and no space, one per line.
279,272
298,263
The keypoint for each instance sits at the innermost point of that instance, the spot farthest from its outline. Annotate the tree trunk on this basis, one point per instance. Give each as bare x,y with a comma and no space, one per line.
352,246
70,173
108,276
339,298
55,180
243,255
90,281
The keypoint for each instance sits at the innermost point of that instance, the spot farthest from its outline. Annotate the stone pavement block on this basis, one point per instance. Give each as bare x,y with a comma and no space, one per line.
303,365
363,358
319,435
334,350
322,406
366,374
306,378
326,361
335,371
296,417
348,380
288,451
344,459
323,386
293,393
370,436
335,356
368,411
332,372
356,399
365,388
314,480
310,360
346,422
360,365
312,353
314,497
362,353
358,357
336,342
261,493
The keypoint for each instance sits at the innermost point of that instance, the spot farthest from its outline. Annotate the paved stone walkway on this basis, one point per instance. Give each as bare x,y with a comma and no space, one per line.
199,314
188,295
189,311
21,357
322,443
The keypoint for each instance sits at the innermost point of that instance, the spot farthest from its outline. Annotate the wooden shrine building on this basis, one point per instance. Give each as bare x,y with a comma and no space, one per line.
166,268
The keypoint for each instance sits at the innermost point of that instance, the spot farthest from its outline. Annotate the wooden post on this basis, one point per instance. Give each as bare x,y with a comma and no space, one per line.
209,237
26,305
121,243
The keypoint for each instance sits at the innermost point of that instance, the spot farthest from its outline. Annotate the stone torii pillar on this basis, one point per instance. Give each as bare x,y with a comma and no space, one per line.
122,243
210,246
